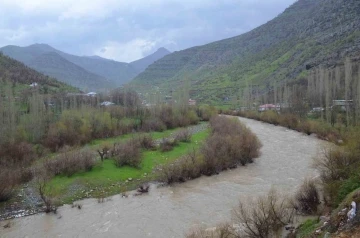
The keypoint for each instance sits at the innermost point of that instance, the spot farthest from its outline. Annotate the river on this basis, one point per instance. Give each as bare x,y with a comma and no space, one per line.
172,211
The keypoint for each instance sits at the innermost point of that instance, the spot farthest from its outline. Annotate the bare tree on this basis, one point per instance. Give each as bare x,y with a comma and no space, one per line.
265,216
42,186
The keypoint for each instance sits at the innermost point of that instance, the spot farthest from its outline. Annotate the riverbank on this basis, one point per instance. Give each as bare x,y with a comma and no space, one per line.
172,211
105,179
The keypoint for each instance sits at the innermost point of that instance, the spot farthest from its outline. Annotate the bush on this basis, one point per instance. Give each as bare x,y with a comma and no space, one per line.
153,124
128,153
221,231
335,164
230,144
17,154
71,162
307,198
206,112
183,135
289,120
338,168
146,142
168,144
271,117
306,127
265,216
8,181
185,168
347,187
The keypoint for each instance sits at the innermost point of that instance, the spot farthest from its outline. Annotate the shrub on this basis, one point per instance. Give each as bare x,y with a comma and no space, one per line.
307,198
289,120
128,153
265,216
183,135
18,154
225,125
153,124
338,168
271,117
230,144
219,154
185,168
335,164
166,115
71,162
206,112
146,142
8,181
306,127
347,187
168,144
221,231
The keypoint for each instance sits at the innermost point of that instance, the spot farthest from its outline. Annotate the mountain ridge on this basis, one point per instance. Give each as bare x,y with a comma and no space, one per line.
142,64
101,73
18,74
309,32
52,63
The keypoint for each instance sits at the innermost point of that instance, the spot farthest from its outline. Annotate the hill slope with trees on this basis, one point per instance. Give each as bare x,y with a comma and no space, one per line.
21,77
308,33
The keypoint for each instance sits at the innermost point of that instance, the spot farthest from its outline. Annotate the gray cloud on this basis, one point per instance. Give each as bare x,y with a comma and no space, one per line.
129,29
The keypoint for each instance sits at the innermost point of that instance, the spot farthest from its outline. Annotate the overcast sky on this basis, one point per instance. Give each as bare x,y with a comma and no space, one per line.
126,30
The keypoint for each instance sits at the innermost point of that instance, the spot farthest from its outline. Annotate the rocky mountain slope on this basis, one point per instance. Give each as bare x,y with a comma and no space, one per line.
308,33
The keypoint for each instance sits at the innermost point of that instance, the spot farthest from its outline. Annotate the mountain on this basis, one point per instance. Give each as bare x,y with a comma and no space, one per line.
95,72
143,63
116,72
48,60
52,63
308,33
22,77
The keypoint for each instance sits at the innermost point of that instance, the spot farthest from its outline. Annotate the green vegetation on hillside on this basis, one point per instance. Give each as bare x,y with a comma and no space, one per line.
307,34
21,77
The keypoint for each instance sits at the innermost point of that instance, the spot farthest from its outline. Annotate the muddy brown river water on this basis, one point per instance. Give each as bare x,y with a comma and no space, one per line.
172,211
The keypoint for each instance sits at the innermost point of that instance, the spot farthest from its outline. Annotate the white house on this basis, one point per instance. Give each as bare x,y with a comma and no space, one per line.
106,104
91,94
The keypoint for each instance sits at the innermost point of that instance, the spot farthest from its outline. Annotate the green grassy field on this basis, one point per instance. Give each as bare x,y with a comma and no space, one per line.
106,179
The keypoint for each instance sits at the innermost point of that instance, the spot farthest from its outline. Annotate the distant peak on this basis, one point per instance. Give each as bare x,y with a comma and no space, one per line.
41,46
163,49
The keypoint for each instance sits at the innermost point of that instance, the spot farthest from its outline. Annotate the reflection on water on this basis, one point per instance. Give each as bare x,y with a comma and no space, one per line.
172,211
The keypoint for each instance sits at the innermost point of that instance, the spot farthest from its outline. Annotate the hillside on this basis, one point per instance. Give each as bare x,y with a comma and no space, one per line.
116,72
54,65
143,63
308,33
82,71
22,76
